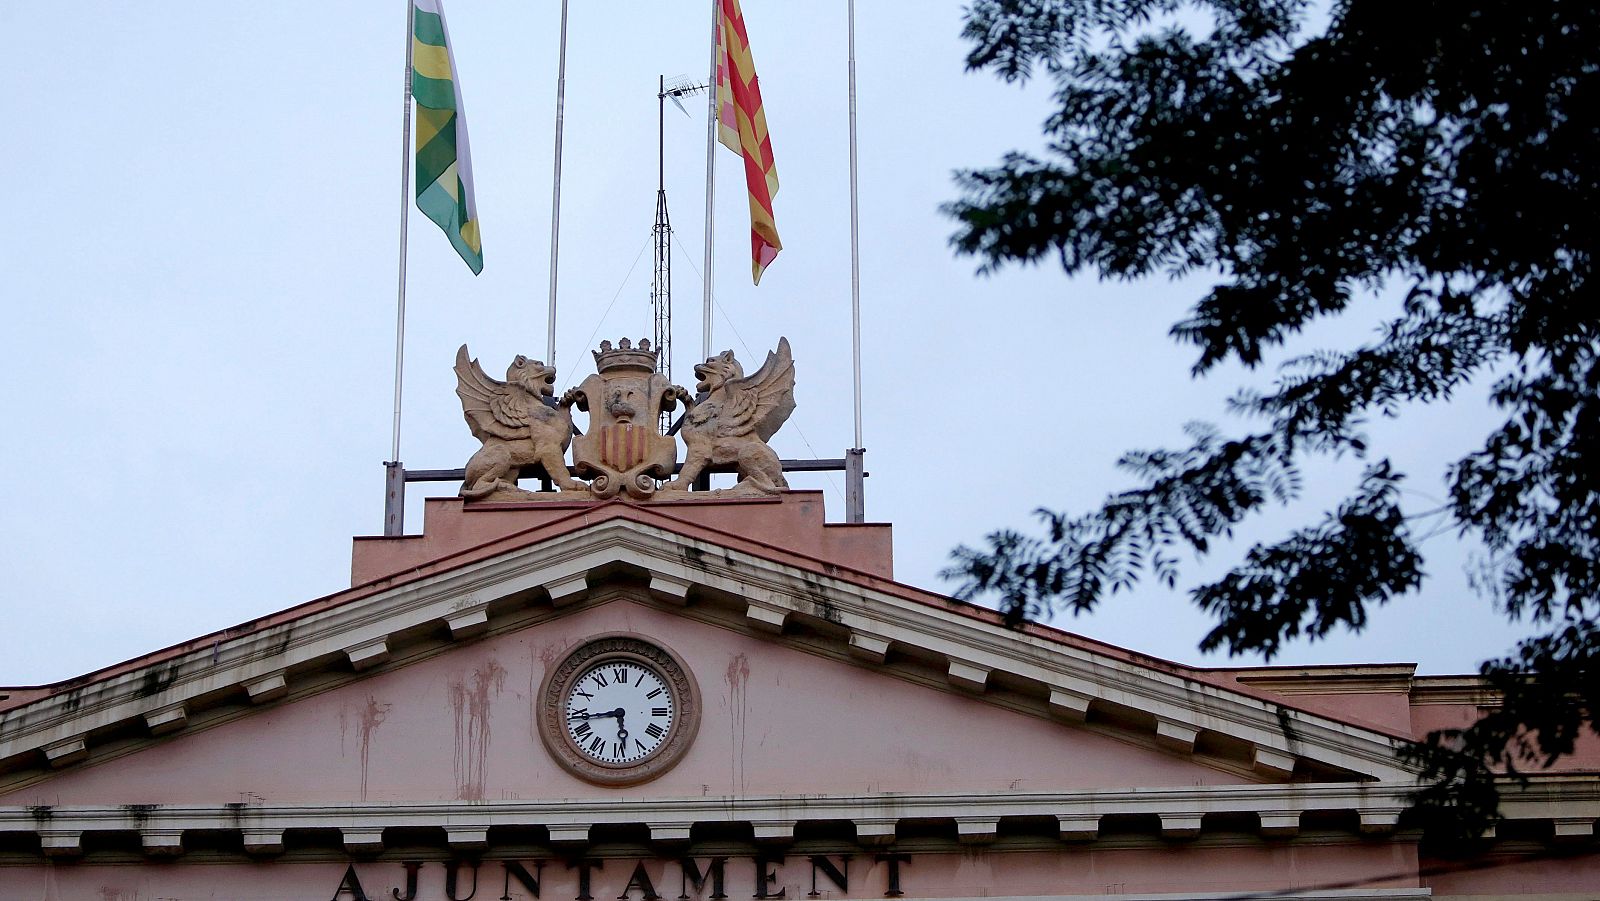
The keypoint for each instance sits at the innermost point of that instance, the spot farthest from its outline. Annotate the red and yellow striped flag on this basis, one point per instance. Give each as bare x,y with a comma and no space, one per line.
742,126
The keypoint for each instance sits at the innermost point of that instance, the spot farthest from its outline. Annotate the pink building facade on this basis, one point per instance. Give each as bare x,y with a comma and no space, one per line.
726,699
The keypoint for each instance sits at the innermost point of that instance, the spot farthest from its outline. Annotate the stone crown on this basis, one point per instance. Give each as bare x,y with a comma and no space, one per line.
625,356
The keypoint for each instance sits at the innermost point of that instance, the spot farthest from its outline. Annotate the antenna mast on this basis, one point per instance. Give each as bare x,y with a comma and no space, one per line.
661,283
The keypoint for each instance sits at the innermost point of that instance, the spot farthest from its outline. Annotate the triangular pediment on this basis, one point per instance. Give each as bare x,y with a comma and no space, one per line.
459,724
818,682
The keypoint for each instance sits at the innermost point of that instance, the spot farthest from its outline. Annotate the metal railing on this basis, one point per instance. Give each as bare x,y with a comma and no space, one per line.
852,464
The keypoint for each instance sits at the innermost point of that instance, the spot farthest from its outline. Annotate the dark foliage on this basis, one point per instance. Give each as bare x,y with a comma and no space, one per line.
1446,146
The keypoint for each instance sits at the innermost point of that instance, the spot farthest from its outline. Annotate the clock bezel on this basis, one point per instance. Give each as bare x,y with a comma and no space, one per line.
662,661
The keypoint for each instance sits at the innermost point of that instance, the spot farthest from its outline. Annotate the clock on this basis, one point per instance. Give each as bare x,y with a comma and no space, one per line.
618,710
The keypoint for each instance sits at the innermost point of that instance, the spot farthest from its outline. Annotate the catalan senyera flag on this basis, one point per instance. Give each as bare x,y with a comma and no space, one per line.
742,126
444,163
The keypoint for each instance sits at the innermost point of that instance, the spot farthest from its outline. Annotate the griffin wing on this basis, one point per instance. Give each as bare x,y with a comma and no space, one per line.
480,394
762,402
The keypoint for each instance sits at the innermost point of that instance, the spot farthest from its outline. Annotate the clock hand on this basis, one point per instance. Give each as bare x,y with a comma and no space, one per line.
594,716
622,731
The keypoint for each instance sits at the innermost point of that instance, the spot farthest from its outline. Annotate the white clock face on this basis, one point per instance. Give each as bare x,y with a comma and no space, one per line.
619,712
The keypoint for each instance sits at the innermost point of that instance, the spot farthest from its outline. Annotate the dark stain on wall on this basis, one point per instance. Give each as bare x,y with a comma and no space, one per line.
371,717
738,678
469,699
158,680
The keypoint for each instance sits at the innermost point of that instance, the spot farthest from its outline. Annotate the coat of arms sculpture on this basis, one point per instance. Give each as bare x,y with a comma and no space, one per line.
622,452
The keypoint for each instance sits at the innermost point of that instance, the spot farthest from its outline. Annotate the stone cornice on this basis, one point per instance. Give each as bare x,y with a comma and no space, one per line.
1454,691
874,816
1329,680
1573,805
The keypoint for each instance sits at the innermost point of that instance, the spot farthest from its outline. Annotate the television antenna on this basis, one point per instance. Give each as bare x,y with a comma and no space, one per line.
661,282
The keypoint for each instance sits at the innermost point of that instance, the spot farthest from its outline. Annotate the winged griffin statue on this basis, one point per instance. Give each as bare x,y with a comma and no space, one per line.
517,425
732,417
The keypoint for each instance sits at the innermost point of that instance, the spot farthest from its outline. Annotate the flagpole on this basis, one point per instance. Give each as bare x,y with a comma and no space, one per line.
711,181
855,234
855,489
394,504
555,199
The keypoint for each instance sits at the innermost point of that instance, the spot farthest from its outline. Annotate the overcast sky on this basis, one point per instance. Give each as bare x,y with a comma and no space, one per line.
199,267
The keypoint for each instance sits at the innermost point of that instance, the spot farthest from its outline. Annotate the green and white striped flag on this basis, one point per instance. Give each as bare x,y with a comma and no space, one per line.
444,165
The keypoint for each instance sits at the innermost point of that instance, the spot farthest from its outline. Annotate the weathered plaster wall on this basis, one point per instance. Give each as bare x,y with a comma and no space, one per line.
1542,877
1427,717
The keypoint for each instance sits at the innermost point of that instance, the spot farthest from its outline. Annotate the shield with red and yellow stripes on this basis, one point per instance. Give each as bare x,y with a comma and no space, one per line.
624,446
